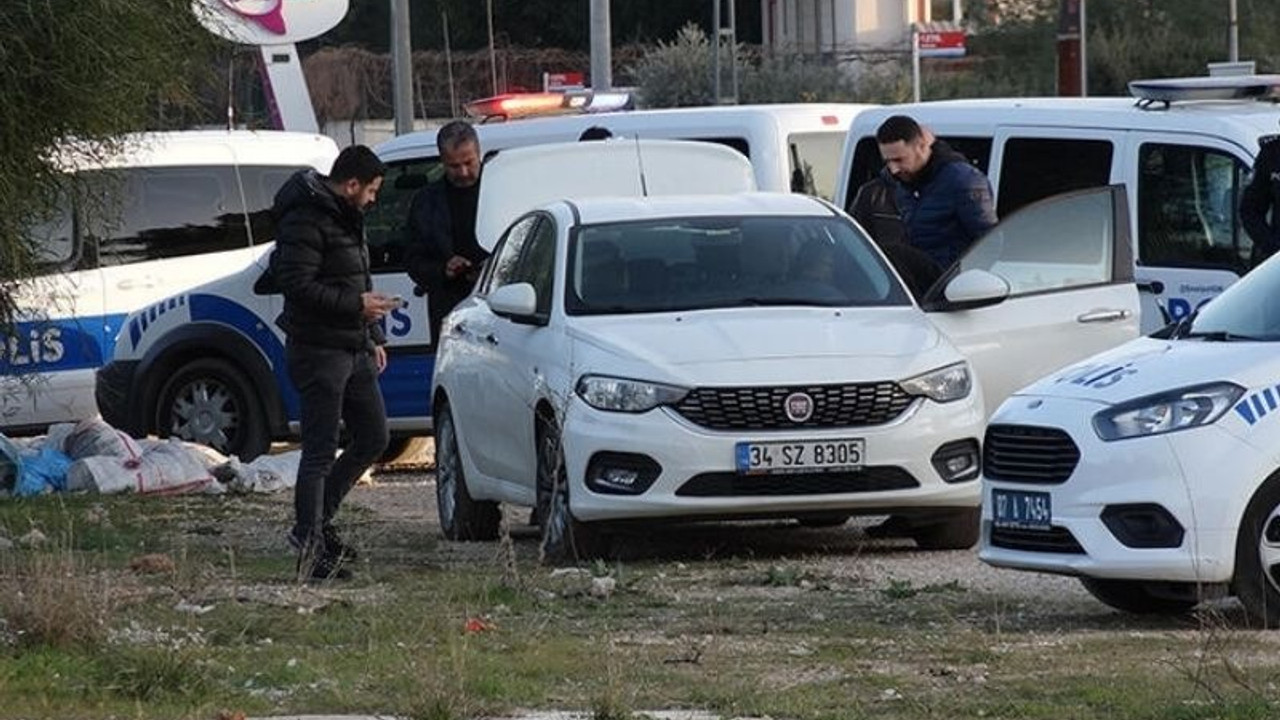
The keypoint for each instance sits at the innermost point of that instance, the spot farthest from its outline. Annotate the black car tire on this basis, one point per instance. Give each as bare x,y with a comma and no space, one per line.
1257,570
211,402
461,517
565,539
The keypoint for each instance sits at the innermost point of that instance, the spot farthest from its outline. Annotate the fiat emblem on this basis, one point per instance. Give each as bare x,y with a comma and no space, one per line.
798,406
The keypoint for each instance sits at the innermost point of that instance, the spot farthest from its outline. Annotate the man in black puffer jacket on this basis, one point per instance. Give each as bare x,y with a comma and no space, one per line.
334,350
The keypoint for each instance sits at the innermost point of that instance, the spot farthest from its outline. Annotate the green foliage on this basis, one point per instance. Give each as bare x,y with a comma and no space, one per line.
678,73
796,78
88,69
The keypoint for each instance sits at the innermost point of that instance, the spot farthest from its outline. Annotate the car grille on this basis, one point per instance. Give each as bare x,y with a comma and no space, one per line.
728,484
1054,540
1028,454
762,408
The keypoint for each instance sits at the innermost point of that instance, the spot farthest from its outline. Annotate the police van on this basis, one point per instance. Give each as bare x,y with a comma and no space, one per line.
1183,149
206,364
165,212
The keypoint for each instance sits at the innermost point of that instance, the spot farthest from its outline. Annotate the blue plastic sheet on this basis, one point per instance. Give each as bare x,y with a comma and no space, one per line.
41,472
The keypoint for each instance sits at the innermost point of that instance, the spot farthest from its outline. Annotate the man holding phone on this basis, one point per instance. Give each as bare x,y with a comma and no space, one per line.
443,255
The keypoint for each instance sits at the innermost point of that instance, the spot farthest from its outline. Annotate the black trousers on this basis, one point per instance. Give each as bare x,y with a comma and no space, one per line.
334,385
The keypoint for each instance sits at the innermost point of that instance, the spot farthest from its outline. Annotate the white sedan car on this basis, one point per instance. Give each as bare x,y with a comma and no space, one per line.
1152,472
747,355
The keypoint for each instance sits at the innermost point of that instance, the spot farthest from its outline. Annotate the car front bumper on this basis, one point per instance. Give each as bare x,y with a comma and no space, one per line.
698,476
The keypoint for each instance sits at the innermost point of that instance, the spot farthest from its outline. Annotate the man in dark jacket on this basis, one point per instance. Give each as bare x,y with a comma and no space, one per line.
876,210
442,254
945,202
1260,202
334,344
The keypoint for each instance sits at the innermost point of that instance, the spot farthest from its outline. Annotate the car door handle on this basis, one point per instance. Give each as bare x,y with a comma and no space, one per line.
491,339
131,284
1102,316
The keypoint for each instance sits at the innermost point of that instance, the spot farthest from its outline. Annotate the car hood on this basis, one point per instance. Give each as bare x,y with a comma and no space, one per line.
750,345
1147,366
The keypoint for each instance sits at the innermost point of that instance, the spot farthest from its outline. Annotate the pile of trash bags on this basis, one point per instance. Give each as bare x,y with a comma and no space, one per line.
94,456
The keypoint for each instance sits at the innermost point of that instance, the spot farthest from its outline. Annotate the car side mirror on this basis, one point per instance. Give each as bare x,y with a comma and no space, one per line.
518,301
974,289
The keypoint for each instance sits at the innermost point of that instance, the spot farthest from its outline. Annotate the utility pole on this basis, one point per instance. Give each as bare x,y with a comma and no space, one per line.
401,66
601,47
1233,35
493,56
724,36
1071,50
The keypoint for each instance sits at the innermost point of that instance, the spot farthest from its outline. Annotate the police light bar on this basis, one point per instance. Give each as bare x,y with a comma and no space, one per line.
1230,87
512,106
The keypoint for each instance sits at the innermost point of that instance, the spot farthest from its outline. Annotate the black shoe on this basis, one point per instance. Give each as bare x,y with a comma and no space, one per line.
333,544
321,569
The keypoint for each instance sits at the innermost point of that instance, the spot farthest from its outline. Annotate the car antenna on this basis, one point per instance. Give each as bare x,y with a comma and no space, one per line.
644,186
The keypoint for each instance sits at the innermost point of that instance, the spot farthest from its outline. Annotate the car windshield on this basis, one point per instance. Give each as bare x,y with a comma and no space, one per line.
702,263
1245,311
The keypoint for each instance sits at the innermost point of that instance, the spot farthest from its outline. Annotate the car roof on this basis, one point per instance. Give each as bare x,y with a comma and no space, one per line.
598,210
210,147
1248,118
495,136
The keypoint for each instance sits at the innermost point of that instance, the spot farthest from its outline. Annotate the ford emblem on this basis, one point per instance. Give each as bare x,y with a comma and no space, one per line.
798,406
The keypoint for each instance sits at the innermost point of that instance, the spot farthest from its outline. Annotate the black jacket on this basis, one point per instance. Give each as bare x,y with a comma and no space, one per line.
876,210
1261,195
947,207
321,265
428,247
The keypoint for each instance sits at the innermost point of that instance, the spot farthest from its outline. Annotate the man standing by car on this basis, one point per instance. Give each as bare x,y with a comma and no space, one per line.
443,255
334,348
1260,202
945,202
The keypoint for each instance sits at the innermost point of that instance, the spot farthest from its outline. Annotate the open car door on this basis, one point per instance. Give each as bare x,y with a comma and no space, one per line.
1049,286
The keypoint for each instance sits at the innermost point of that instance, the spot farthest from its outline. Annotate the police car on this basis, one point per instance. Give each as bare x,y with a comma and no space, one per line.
1151,472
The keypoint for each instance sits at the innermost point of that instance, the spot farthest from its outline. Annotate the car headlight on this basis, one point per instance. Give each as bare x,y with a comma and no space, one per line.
945,384
1167,412
623,395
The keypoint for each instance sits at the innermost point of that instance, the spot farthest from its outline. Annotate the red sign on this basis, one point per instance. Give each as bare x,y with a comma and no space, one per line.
558,82
945,43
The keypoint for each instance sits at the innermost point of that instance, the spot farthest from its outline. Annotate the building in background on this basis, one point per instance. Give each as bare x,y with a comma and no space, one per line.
846,29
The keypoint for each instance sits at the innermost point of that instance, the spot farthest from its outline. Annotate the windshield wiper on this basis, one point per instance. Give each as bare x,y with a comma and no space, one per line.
1222,336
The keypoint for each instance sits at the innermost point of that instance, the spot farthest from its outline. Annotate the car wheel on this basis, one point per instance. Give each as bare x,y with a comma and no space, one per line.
564,538
211,402
954,530
1257,571
1143,598
822,520
461,518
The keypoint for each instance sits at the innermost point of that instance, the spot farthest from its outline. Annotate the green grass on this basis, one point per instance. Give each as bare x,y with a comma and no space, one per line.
739,636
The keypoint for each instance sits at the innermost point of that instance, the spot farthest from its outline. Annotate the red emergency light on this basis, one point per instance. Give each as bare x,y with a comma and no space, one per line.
511,106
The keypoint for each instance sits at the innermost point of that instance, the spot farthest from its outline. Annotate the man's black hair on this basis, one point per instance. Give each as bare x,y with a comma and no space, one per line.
454,134
898,128
359,162
595,132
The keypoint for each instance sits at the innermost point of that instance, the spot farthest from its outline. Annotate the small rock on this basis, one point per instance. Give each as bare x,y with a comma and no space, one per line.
231,715
293,662
603,587
191,608
570,572
806,584
34,538
152,564
95,515
891,694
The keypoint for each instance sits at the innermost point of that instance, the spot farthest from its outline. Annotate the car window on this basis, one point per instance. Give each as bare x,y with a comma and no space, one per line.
1245,310
699,263
817,157
537,264
1065,242
261,182
144,214
53,240
385,223
1187,208
1077,164
506,258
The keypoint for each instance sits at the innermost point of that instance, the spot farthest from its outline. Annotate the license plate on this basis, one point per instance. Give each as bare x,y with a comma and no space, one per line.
761,458
1021,510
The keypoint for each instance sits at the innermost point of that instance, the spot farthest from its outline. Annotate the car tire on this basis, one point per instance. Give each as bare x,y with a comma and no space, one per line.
1143,598
1256,581
211,402
461,517
953,530
565,539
